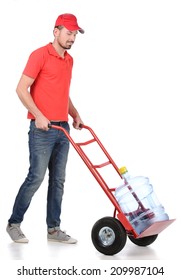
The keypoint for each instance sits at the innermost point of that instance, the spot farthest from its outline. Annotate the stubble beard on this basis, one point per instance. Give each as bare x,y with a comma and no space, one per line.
67,46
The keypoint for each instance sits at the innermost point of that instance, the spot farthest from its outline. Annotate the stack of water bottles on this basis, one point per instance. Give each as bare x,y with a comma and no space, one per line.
139,202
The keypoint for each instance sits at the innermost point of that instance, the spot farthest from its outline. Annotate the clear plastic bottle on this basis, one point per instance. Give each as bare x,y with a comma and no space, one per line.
138,201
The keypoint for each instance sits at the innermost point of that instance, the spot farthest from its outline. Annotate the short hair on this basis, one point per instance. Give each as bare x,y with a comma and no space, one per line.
59,27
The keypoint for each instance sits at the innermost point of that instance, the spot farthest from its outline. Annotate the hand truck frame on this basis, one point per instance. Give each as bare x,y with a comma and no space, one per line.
109,234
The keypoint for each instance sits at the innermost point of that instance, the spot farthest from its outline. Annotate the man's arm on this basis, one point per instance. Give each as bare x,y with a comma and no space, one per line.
75,115
23,93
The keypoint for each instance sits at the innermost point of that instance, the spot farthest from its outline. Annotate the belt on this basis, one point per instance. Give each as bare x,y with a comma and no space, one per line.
54,122
57,122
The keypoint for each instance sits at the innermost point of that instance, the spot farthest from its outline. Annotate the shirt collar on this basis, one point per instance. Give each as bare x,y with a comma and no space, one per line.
53,52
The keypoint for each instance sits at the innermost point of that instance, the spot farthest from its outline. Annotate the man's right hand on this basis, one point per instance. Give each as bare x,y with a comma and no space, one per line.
42,122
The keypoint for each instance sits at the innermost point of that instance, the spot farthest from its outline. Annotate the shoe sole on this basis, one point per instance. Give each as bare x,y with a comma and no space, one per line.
21,241
62,241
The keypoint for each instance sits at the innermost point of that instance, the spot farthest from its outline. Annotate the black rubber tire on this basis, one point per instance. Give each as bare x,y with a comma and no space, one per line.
144,241
108,236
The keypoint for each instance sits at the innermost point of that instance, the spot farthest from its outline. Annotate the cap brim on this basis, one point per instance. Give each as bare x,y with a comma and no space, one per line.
75,28
81,31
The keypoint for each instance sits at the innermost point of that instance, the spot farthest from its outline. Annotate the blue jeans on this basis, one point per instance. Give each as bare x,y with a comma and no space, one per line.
48,150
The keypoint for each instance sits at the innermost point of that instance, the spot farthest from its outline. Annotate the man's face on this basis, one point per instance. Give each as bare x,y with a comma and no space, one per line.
65,38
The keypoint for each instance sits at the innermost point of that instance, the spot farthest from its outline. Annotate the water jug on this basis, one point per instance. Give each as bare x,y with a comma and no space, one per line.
139,202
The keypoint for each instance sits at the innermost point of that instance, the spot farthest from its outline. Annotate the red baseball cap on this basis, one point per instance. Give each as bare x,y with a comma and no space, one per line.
69,21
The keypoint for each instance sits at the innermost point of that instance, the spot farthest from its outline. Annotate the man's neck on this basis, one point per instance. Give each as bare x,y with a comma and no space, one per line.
59,49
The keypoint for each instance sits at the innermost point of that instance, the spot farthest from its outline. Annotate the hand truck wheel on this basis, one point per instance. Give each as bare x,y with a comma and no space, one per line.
108,236
144,241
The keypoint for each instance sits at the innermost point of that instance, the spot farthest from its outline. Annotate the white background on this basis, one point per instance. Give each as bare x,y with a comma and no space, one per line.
126,86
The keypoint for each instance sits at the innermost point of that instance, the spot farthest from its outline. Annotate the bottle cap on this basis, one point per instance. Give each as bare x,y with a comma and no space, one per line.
123,170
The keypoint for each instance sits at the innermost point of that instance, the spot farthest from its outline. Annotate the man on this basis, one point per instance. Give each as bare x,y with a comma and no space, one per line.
44,90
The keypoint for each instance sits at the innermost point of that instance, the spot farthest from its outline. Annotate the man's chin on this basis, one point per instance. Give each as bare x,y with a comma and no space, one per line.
67,47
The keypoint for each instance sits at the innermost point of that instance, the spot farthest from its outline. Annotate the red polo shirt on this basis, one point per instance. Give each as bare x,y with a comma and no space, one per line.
52,74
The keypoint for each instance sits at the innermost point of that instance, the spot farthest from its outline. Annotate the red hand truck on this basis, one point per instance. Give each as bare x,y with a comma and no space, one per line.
109,234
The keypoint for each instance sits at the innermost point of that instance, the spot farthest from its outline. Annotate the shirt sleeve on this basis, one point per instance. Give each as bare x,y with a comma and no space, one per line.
34,64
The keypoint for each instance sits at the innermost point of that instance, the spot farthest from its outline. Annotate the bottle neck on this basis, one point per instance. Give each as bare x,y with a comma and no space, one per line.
125,175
